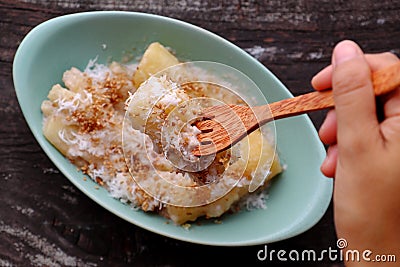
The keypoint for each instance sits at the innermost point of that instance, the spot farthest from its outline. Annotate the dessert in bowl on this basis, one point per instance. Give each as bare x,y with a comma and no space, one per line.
297,196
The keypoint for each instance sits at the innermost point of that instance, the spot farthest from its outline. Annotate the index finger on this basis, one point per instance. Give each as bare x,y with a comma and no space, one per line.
323,79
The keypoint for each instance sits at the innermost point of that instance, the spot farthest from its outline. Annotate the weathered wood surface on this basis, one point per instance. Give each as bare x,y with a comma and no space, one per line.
46,221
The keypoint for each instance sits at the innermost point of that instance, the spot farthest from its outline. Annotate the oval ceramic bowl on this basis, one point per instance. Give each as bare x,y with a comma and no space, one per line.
298,198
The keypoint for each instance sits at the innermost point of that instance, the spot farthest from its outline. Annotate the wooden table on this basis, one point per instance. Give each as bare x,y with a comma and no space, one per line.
46,221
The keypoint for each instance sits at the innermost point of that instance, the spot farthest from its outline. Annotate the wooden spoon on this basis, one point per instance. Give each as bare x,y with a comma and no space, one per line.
225,125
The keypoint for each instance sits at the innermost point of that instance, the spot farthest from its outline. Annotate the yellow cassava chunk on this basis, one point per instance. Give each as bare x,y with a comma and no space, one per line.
51,129
74,80
258,153
155,58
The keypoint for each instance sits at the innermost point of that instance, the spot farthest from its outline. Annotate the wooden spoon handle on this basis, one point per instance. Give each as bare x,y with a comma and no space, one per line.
302,104
383,81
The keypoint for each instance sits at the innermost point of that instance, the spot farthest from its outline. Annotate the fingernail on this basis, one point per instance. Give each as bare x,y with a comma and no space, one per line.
345,51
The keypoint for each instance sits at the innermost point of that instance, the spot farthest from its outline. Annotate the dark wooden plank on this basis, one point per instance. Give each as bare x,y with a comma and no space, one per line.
46,221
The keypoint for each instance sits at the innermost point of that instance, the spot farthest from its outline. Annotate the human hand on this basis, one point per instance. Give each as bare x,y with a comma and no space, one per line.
364,152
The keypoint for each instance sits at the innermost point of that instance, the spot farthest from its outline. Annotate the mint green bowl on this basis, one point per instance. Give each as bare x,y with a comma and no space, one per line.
298,198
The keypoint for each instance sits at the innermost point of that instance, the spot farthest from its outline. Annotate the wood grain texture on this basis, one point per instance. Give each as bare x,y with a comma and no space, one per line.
46,221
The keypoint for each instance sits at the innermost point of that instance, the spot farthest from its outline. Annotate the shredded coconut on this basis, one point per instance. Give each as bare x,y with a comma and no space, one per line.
86,122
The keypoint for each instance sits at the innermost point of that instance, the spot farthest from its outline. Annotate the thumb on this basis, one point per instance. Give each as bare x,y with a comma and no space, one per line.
353,94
